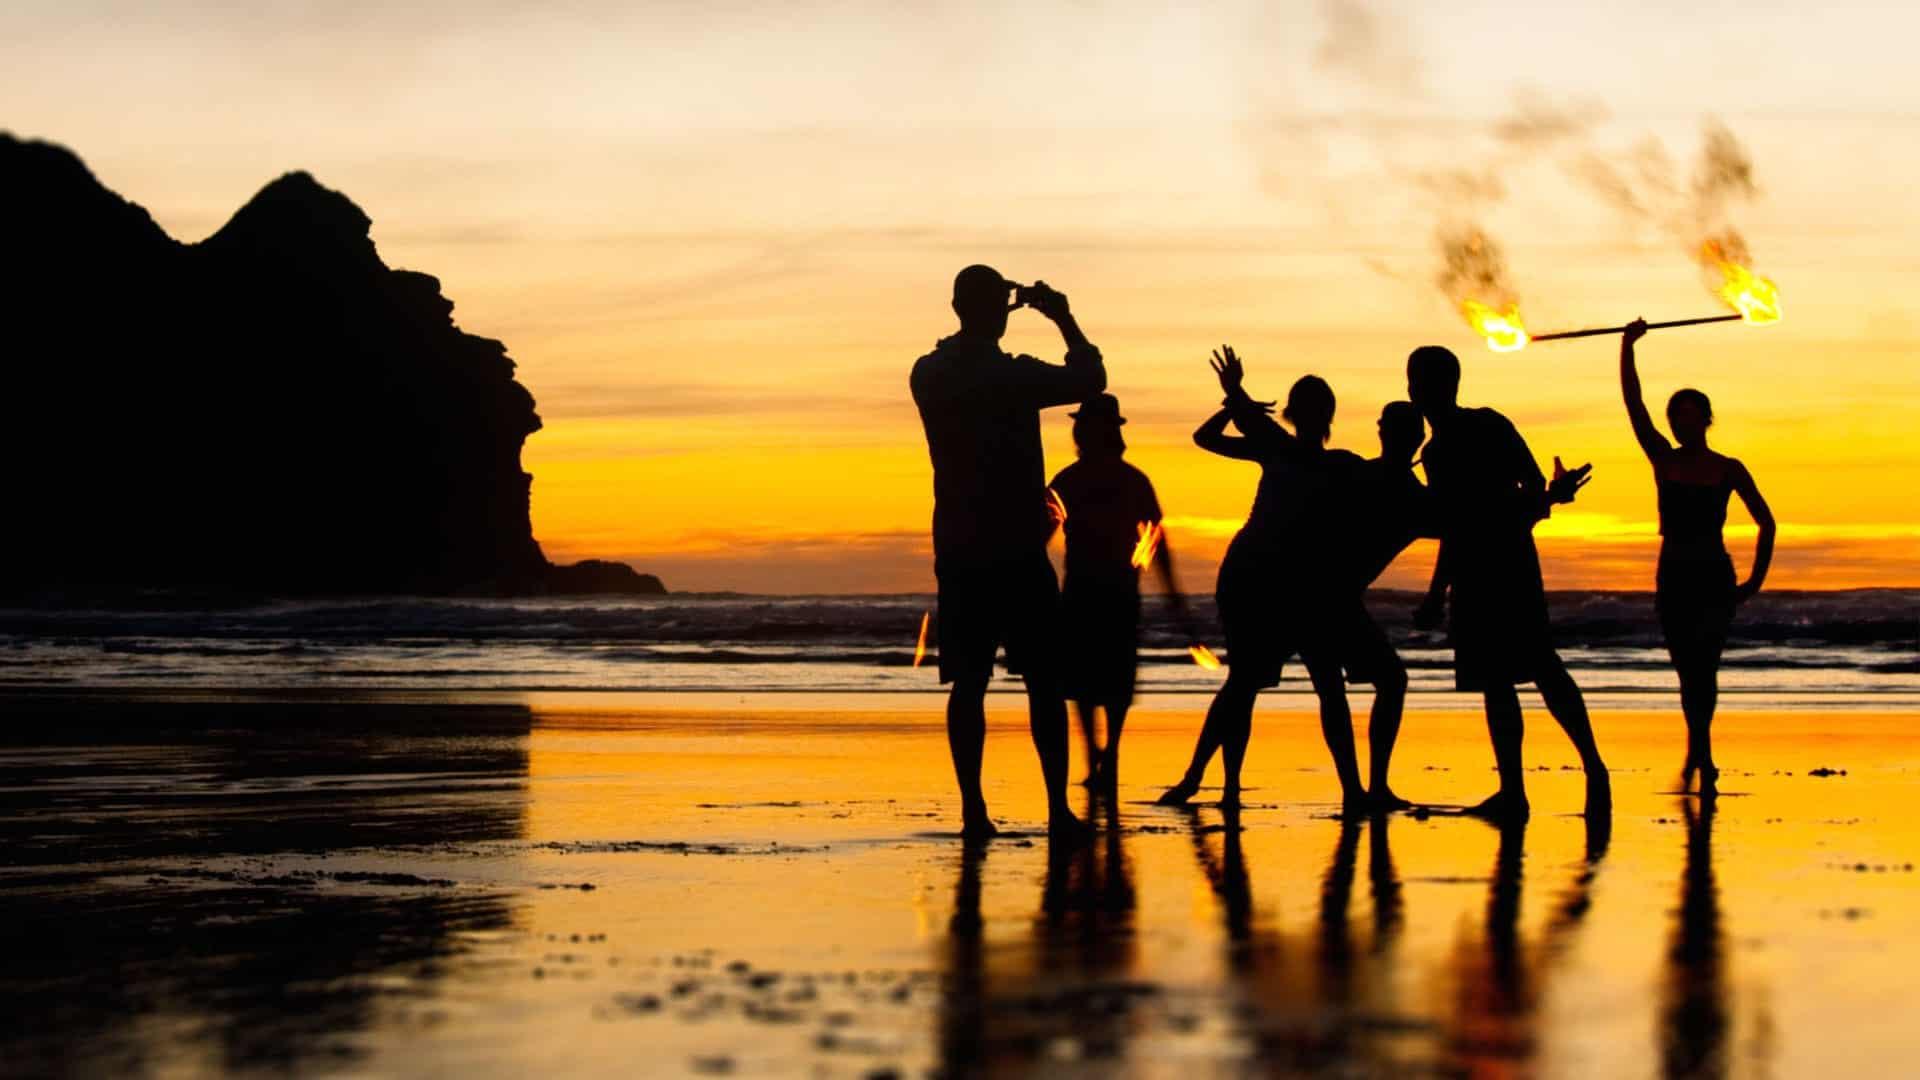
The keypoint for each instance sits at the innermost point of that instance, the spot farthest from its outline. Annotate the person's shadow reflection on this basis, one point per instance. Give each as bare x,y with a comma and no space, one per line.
1694,1016
1087,905
1341,1018
963,998
1499,982
1074,989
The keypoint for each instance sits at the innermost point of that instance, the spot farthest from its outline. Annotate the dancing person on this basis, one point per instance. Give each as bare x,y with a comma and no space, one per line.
1273,588
1694,586
981,407
1112,519
1487,583
1377,510
1389,510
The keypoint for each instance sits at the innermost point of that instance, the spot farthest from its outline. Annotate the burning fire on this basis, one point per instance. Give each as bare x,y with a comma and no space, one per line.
1754,297
1204,657
1056,508
1150,532
1502,328
920,647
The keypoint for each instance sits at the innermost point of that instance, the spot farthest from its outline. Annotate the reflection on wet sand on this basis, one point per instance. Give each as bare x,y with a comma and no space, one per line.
1500,980
1344,1014
1321,1000
148,927
263,888
1077,1002
1695,1016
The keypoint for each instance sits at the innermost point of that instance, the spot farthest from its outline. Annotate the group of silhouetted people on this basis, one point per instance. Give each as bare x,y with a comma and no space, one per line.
1325,523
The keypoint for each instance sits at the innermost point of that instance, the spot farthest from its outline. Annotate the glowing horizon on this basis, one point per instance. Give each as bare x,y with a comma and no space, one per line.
714,241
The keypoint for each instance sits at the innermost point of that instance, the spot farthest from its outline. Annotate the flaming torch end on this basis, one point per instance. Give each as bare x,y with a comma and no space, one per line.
920,647
1757,299
1204,657
1502,328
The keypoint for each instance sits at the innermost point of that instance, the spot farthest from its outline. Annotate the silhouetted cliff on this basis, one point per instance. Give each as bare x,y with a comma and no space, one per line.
272,409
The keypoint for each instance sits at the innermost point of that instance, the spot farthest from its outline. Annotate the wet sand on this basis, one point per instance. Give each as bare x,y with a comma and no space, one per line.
761,885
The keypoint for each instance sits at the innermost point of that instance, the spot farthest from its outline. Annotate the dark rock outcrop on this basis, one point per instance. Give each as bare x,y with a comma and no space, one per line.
272,409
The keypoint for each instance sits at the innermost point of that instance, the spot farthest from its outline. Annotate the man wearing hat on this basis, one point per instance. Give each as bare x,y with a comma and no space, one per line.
991,521
1112,518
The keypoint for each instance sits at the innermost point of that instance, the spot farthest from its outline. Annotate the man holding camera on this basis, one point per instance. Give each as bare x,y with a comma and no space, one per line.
991,520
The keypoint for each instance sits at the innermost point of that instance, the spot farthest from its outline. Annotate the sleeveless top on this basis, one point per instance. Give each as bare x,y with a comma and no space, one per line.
1692,515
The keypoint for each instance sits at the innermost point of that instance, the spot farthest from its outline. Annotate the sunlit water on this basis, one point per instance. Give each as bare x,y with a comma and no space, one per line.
667,885
1783,644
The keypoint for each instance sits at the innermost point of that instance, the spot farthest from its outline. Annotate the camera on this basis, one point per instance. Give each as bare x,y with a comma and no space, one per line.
1033,296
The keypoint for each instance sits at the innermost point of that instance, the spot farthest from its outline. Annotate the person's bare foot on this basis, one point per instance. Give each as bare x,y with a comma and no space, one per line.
1709,781
1501,807
1179,794
976,826
1064,826
1686,774
1355,805
1382,800
1230,797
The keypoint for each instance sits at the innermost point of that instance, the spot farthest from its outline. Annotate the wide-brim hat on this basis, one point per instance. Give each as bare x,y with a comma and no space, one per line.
1104,407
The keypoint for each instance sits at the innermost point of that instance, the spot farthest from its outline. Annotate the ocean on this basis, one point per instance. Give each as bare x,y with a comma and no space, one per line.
1784,645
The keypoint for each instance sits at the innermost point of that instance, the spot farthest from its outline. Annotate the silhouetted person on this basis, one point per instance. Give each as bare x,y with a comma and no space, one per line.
981,410
1109,507
1695,1021
1275,595
1386,509
1489,493
1694,587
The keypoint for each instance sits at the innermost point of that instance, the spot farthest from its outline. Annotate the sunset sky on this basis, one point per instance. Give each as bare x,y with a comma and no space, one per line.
715,236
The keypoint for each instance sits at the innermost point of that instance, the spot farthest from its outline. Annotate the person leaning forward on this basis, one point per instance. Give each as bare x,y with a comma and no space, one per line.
980,407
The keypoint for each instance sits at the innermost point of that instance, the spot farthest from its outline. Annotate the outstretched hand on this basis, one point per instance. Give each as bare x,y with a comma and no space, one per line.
1635,330
1227,367
1566,483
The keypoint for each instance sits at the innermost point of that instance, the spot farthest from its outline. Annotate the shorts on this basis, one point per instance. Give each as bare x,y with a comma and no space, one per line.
1497,619
1013,602
1101,646
1268,622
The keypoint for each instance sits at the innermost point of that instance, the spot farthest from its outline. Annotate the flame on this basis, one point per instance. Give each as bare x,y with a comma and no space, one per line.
920,647
1150,533
1503,329
1757,299
1204,657
1056,507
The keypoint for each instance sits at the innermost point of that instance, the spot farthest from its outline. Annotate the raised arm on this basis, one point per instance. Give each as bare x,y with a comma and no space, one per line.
1253,418
1756,504
1044,385
1212,437
1652,443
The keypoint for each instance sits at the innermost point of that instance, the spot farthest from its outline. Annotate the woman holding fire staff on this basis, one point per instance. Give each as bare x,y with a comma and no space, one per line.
1694,587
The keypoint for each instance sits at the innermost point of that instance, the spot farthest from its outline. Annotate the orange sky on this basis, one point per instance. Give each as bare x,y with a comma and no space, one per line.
716,236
